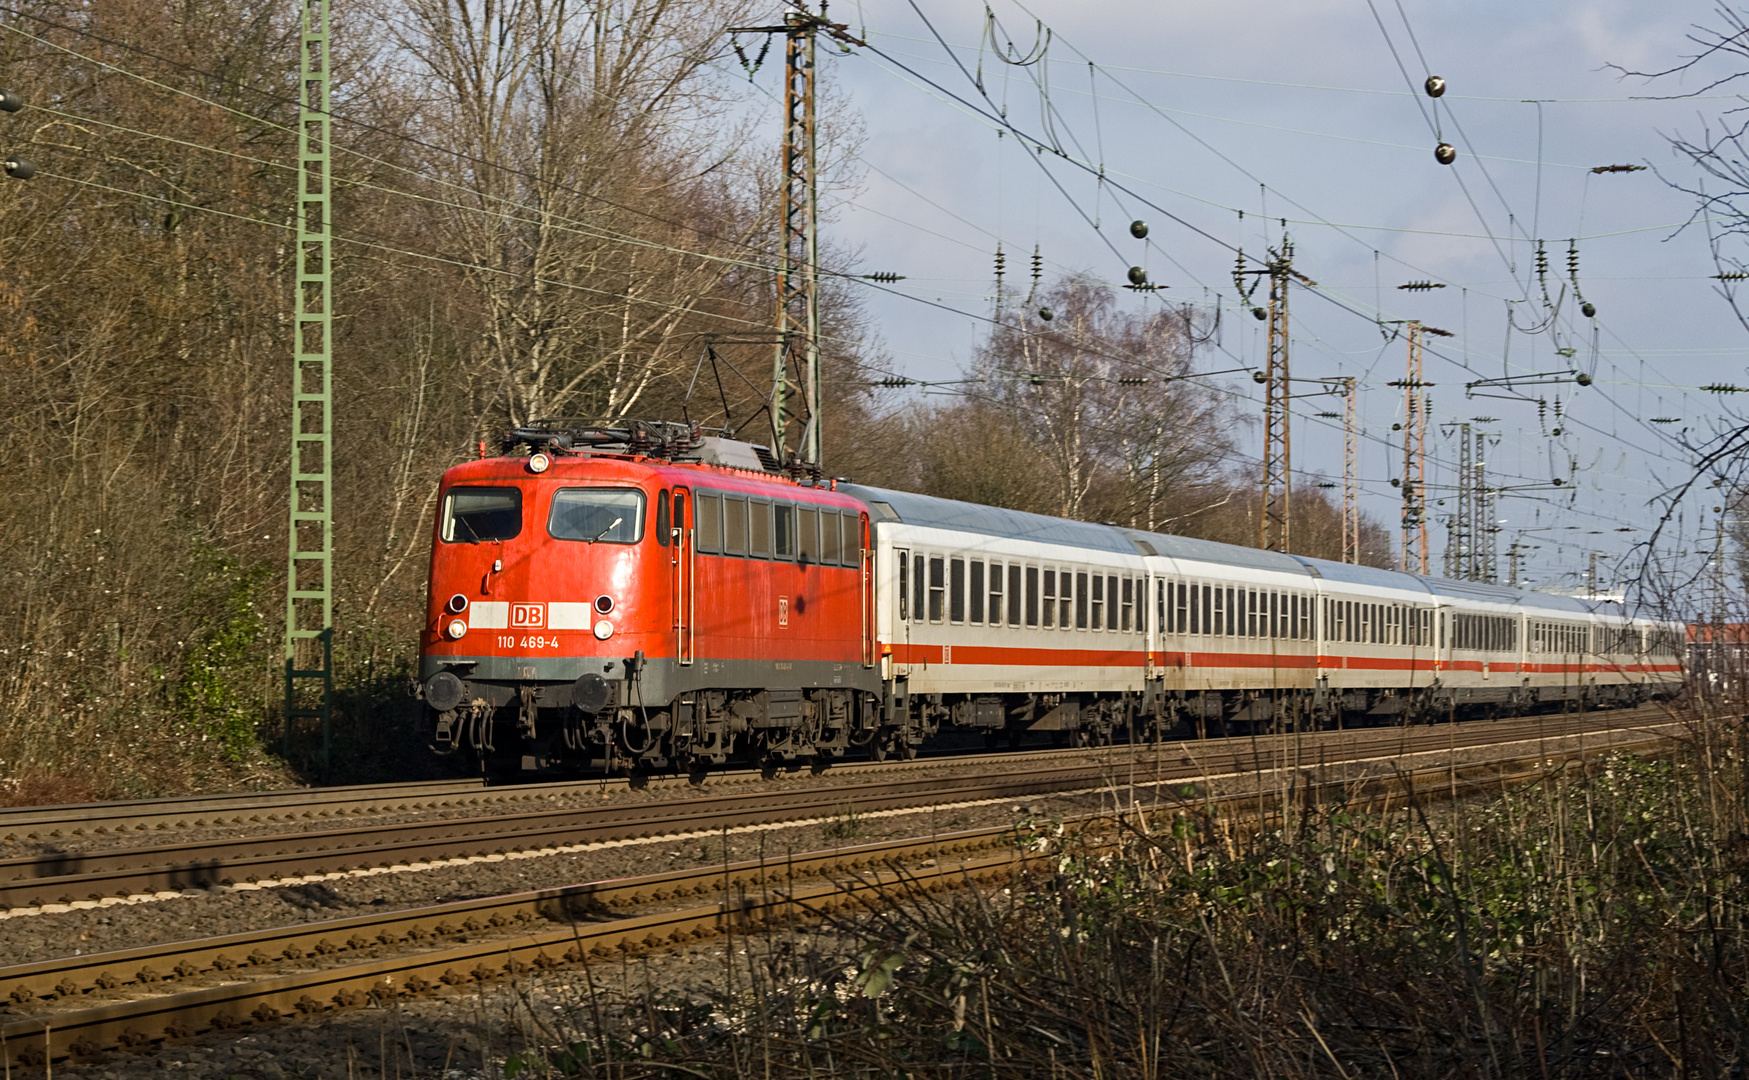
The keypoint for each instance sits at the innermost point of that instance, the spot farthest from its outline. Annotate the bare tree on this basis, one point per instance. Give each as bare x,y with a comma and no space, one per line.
566,180
1105,398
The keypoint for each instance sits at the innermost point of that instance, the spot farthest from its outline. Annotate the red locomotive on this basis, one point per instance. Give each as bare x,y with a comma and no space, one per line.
640,595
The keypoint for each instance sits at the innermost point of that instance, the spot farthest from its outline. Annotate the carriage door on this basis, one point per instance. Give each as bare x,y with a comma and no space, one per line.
682,571
866,589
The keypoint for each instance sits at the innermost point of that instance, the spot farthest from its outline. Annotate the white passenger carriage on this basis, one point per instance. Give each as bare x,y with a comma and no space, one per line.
1009,622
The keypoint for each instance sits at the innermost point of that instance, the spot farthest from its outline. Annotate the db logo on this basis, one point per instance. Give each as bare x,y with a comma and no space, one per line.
783,611
528,616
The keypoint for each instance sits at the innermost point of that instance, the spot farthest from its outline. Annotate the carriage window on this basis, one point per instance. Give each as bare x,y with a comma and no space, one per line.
1215,606
759,528
1160,588
831,546
917,588
1129,603
975,590
1032,596
1050,598
734,526
473,514
808,535
784,534
1065,580
1014,604
1111,606
937,587
710,522
1098,602
662,517
904,585
995,594
1080,601
607,515
956,594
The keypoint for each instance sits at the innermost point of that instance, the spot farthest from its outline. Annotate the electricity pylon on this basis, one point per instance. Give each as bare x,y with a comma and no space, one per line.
309,579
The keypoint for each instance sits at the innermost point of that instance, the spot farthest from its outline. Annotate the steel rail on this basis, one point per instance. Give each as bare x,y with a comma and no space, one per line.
65,877
517,950
69,821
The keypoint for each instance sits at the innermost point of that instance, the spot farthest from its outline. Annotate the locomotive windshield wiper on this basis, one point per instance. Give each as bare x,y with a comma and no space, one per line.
607,530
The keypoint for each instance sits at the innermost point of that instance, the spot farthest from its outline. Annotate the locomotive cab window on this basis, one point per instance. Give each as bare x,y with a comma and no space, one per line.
473,514
662,517
597,515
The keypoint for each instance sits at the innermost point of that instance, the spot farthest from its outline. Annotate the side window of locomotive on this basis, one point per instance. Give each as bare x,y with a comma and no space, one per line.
917,588
662,517
975,590
1050,601
473,514
679,522
734,525
709,513
783,533
808,541
937,587
904,586
1032,596
1014,591
956,590
831,540
759,528
597,515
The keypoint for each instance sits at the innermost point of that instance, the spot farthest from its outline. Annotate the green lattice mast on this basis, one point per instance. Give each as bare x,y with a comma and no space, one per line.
309,622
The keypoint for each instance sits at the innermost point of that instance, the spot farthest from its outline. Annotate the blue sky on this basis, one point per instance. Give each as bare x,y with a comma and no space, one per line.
1301,111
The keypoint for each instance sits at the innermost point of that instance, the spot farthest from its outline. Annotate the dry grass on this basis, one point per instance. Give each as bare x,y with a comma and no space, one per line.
1590,925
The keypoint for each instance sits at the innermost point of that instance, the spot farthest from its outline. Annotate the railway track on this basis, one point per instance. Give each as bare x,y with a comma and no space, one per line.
167,816
65,877
233,982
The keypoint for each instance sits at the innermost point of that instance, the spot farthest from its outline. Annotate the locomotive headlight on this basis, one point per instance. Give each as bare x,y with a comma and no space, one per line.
539,463
603,630
456,629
